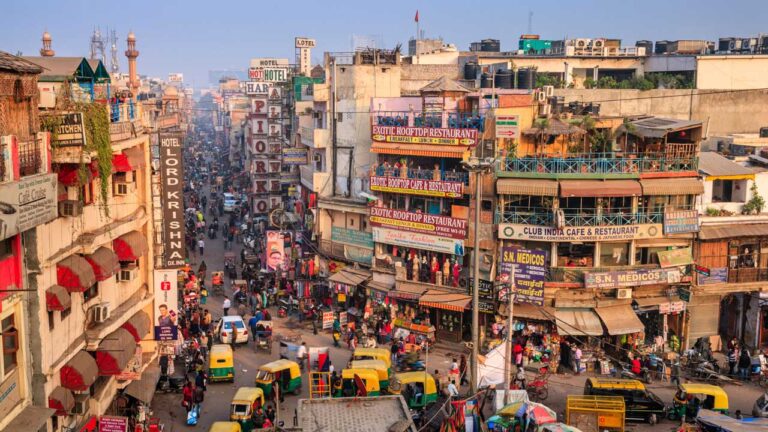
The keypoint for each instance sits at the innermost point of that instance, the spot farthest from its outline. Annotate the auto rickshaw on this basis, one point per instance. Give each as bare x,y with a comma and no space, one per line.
263,335
418,388
244,405
217,282
377,365
382,354
284,372
221,365
690,397
349,382
225,426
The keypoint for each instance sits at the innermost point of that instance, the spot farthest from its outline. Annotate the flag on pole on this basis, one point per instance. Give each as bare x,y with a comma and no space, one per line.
417,16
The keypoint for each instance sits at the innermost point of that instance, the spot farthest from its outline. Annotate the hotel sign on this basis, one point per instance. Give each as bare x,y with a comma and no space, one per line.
352,237
172,174
423,223
632,278
257,88
433,188
589,233
424,135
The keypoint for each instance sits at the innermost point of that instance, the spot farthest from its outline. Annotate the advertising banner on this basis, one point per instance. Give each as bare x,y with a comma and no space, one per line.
418,241
424,135
587,233
166,292
69,130
352,237
681,221
275,253
631,278
508,126
716,275
433,188
172,174
295,156
675,257
530,268
113,424
423,223
327,320
27,203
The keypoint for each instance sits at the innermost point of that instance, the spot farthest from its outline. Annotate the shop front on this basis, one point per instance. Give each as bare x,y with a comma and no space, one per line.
447,311
662,316
349,294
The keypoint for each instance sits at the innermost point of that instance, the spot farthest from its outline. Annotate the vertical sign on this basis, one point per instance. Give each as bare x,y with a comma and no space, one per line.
530,274
166,290
172,174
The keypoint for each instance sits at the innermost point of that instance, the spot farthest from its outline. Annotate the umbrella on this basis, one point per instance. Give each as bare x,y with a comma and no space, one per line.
536,413
510,409
559,427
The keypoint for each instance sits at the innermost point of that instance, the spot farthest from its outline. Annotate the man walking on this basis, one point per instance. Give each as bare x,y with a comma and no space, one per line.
226,305
201,246
234,336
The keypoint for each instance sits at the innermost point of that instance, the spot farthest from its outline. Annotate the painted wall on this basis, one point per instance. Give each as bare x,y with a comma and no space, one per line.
730,72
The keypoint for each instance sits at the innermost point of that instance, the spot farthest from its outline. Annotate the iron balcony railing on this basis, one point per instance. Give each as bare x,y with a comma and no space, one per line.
600,164
30,159
446,120
574,217
423,174
121,111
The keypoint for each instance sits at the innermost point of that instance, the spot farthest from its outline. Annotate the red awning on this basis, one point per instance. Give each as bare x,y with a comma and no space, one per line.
80,372
130,246
130,159
57,298
138,325
104,263
75,274
69,174
120,163
114,352
62,400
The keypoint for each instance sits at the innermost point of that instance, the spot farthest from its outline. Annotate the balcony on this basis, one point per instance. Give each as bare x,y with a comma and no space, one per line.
446,120
578,217
30,158
598,165
122,111
423,174
316,138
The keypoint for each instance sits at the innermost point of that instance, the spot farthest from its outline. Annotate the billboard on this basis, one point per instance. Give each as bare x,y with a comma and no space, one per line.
275,251
27,203
530,268
257,88
171,189
295,156
579,233
433,188
302,42
166,292
423,223
418,241
424,135
69,130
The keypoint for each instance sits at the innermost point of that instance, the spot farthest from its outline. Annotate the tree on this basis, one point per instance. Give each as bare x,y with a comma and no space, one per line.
755,204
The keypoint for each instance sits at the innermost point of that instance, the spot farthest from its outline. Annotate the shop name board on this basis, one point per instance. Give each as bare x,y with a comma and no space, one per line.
257,88
526,269
268,74
424,223
671,307
295,156
352,237
486,296
716,275
113,424
631,278
264,62
172,174
681,221
302,42
69,130
433,188
424,135
119,131
418,241
10,393
508,126
603,233
27,203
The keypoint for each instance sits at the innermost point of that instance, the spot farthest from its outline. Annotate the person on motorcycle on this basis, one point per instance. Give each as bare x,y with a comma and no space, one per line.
637,368
336,332
410,359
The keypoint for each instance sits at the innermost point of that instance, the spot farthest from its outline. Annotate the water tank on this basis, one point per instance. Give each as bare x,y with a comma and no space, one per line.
471,71
485,81
648,45
505,79
526,78
661,47
490,45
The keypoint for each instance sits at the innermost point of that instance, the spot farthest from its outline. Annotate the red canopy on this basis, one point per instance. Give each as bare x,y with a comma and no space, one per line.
69,174
79,373
57,298
130,246
130,159
138,325
62,400
114,352
104,263
75,274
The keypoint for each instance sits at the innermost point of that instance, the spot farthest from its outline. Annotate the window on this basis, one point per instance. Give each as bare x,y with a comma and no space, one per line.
65,313
614,254
10,338
6,248
647,255
91,292
86,193
50,320
575,254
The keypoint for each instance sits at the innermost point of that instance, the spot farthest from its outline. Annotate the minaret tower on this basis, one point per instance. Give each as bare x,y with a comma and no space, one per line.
46,50
132,53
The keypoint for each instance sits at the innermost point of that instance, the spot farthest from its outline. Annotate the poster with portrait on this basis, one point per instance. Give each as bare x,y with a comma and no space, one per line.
166,304
275,251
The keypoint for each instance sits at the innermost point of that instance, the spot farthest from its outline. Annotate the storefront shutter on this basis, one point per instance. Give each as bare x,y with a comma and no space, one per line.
704,314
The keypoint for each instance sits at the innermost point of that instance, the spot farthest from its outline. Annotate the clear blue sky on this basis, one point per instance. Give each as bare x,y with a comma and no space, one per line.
193,36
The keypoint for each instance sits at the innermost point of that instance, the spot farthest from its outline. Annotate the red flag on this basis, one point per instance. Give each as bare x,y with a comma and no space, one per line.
417,16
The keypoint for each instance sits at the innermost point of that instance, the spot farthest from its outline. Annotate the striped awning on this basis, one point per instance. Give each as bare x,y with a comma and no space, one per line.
599,188
445,300
104,263
130,246
114,352
428,150
673,186
511,186
714,232
75,274
80,372
62,400
407,291
57,298
138,325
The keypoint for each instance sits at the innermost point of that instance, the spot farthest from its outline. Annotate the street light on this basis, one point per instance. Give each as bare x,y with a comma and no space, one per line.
479,167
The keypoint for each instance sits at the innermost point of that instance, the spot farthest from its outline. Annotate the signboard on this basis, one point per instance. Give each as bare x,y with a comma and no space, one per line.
167,333
684,294
172,174
487,303
570,234
433,188
264,62
295,156
176,77
302,42
418,241
675,257
275,130
704,271
275,250
10,393
69,130
681,221
424,135
423,223
259,105
530,273
671,307
327,320
119,131
132,370
508,126
716,275
631,278
343,319
27,203
257,88
256,74
274,111
352,237
167,121
166,290
113,424
275,94
275,74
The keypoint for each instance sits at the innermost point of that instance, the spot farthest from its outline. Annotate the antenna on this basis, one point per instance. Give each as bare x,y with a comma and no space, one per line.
97,45
114,65
530,22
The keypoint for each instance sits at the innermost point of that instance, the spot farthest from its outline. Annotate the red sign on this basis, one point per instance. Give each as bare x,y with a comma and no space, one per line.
256,74
424,135
423,223
433,188
113,424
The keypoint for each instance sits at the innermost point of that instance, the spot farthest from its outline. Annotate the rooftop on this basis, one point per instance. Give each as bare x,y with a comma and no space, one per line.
62,68
658,127
714,164
10,62
368,414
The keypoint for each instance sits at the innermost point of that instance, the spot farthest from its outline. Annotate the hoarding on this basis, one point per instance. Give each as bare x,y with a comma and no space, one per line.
530,273
257,88
166,292
433,188
69,129
275,253
418,241
302,42
681,221
172,174
423,223
295,156
27,203
631,278
352,237
579,233
113,424
424,135
508,126
716,275
176,77
675,257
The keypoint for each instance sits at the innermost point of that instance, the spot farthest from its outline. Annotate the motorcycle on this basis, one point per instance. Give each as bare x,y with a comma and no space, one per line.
170,384
411,363
625,372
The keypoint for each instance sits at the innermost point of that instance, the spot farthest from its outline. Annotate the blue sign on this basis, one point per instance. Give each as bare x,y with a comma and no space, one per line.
681,221
166,333
716,275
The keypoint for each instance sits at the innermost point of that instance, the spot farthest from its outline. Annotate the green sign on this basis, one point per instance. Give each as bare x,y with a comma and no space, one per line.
352,237
684,294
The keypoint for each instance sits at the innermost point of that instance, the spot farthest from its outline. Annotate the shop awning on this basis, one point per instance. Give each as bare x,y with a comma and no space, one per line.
620,319
75,274
407,291
62,400
69,174
130,246
512,186
350,276
529,311
138,325
80,372
673,186
144,389
714,232
57,298
445,300
380,286
114,352
598,188
31,418
428,150
652,303
104,263
578,322
130,159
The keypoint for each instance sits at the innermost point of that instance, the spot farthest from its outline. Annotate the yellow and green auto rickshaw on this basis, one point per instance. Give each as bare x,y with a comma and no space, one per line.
418,388
382,354
367,378
223,426
377,365
221,365
286,373
244,405
690,397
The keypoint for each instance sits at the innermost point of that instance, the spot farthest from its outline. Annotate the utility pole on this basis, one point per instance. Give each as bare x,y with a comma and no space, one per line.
510,323
333,128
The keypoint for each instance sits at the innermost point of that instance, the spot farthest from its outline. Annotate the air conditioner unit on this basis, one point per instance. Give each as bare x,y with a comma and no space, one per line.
598,44
541,97
81,405
128,273
570,51
70,208
100,313
624,293
122,188
734,45
549,91
582,44
746,44
545,110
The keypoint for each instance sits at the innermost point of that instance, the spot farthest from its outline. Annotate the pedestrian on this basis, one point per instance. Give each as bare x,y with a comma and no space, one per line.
226,243
453,371
210,341
745,361
270,413
733,357
565,355
675,373
204,343
226,304
301,354
201,246
252,325
203,295
188,396
234,336
463,370
576,360
336,332
393,352
207,320
451,390
201,380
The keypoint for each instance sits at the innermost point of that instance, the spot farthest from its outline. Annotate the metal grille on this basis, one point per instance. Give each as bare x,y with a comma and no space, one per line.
29,158
2,162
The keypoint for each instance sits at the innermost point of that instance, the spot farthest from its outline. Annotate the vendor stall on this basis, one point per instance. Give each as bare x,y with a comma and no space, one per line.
447,312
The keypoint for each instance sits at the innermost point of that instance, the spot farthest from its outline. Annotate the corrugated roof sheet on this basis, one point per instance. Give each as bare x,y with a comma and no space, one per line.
10,62
61,67
714,232
444,84
672,186
513,186
714,164
658,127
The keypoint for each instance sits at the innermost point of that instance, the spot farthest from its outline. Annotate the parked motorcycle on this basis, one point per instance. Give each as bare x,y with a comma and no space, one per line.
624,371
170,384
